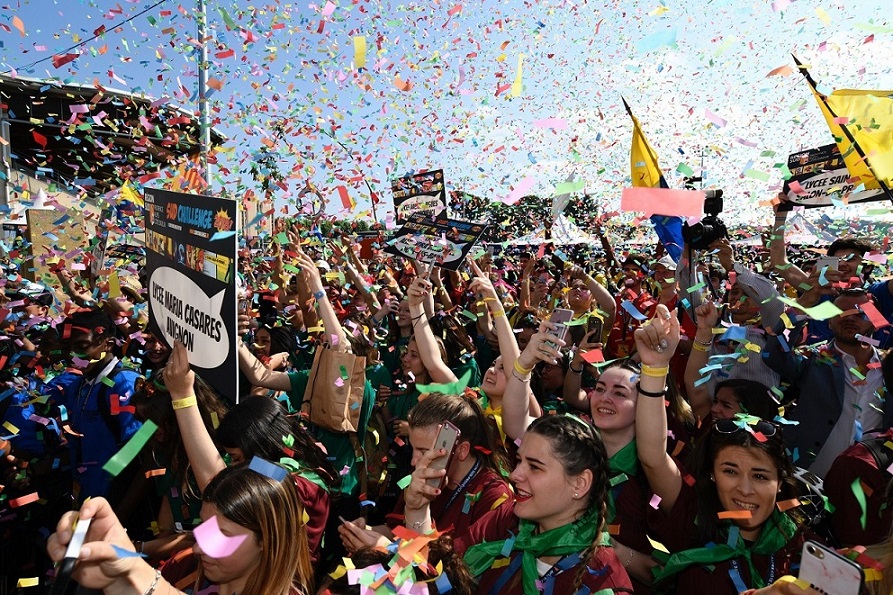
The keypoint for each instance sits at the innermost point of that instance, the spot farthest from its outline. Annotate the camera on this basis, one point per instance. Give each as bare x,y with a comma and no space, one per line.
709,229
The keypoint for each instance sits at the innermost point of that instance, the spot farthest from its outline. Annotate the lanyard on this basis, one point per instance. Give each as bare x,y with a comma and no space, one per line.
464,484
739,582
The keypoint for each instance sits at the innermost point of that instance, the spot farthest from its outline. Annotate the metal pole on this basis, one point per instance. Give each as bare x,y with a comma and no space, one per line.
204,118
5,159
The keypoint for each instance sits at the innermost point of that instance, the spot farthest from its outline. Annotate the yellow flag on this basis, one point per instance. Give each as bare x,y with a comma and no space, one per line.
868,117
644,168
128,192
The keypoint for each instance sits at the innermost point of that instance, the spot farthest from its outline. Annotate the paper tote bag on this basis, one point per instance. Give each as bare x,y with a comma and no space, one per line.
333,398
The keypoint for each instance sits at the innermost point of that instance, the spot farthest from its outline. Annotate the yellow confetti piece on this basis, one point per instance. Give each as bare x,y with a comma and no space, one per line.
215,421
823,15
306,518
500,563
516,86
658,546
359,51
114,286
753,347
11,428
499,501
791,579
24,583
338,572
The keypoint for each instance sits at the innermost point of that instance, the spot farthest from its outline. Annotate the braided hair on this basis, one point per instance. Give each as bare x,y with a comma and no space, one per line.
579,447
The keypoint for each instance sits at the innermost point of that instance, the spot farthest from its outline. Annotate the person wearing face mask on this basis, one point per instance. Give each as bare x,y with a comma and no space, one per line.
100,417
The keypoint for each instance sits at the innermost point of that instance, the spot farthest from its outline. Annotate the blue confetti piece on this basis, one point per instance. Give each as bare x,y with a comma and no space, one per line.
222,235
265,467
507,547
443,583
734,333
632,310
122,553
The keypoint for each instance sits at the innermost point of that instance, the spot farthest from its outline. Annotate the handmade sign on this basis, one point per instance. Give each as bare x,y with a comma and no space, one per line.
436,240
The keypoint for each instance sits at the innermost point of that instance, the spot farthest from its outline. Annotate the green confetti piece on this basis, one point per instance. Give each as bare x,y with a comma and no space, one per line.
823,311
404,482
757,175
569,187
281,238
685,170
856,487
344,374
452,388
128,452
108,381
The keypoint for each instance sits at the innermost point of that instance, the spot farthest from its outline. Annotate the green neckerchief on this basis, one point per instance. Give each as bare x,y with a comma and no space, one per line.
776,533
308,474
623,465
573,538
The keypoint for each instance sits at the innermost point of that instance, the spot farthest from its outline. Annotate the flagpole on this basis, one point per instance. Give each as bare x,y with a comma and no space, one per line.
204,118
843,127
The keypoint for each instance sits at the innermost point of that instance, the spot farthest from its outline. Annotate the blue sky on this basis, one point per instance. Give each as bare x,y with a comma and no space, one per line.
695,73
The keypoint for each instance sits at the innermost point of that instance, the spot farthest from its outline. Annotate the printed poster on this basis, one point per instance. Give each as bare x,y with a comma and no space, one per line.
822,175
419,193
436,240
191,243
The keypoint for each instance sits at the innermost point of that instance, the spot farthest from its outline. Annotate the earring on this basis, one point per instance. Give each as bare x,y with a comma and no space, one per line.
712,478
576,495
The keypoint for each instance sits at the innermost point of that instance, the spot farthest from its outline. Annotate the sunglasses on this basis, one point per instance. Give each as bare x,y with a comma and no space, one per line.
747,423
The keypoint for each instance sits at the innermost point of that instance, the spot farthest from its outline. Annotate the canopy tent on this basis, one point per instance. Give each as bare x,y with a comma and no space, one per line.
563,232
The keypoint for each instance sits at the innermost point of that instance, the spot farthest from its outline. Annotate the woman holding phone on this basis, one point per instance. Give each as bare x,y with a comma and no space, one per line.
271,560
612,407
474,483
740,471
553,534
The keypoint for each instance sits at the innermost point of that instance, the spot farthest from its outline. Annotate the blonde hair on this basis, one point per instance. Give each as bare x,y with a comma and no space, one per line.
273,511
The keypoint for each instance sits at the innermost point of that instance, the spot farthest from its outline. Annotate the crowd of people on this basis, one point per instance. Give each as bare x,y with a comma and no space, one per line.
630,424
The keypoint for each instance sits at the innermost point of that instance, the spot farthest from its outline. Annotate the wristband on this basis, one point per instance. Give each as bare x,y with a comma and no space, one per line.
698,346
704,343
521,369
653,395
570,367
184,403
655,372
318,295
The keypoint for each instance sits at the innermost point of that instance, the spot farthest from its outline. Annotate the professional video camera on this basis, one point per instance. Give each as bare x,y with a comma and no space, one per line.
709,229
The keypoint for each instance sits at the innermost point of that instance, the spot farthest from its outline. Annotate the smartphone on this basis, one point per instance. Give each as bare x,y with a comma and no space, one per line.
560,317
827,261
447,439
828,571
66,566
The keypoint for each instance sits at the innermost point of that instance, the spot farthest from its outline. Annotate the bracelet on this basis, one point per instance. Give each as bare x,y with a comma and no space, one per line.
184,403
521,369
704,343
655,372
497,313
629,560
318,295
698,346
525,378
570,367
417,525
154,584
653,395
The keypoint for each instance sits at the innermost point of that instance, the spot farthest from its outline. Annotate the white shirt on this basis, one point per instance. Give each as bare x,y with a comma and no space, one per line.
861,403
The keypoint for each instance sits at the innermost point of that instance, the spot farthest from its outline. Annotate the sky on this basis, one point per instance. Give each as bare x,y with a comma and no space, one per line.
498,94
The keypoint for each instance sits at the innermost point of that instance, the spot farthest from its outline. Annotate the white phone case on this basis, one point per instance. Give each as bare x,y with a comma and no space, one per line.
829,572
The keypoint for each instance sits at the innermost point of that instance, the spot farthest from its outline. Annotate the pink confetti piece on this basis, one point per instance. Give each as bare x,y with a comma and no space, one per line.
520,190
213,542
328,9
655,501
715,119
553,123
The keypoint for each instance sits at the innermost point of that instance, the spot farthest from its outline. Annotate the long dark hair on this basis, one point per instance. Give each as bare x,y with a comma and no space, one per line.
466,413
258,426
753,397
702,460
579,447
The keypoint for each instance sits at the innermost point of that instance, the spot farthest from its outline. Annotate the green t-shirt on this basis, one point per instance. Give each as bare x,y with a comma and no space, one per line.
338,445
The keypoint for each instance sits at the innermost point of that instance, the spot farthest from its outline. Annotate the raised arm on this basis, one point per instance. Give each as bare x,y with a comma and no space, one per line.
602,296
778,250
334,333
656,342
483,287
204,459
517,410
438,370
573,394
700,400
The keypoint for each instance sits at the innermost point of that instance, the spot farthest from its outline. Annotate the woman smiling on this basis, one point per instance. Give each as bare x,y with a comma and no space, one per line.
740,471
